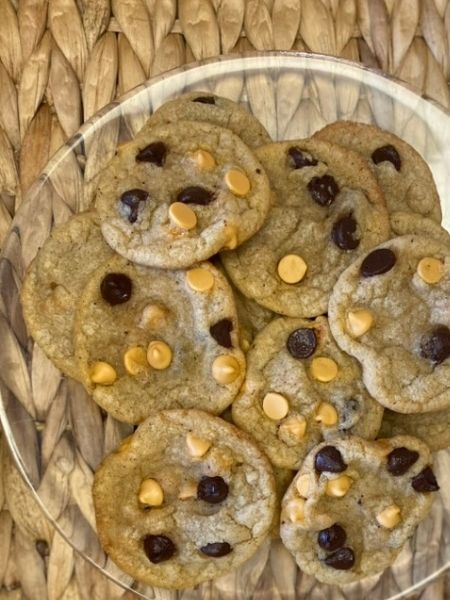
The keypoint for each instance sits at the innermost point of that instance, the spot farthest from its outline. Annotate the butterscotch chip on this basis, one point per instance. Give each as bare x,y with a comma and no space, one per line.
303,484
135,360
200,279
359,322
291,268
237,182
338,487
182,215
232,239
159,355
103,373
153,316
204,160
150,493
275,406
295,510
225,369
326,414
188,490
324,369
430,269
197,446
294,426
390,517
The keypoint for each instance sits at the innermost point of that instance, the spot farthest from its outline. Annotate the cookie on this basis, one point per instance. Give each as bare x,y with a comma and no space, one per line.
148,339
412,223
390,309
197,499
327,210
252,317
54,282
353,505
203,106
433,428
301,389
404,176
180,193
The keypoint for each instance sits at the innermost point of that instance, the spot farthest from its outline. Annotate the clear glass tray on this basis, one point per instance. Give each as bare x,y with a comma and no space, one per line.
58,435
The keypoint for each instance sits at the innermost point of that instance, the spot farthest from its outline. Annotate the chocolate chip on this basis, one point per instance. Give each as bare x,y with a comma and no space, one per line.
377,262
343,559
42,548
400,460
323,189
388,153
435,345
158,548
153,153
425,481
132,199
116,288
329,459
195,195
212,489
298,159
343,233
302,343
220,331
216,549
205,100
332,538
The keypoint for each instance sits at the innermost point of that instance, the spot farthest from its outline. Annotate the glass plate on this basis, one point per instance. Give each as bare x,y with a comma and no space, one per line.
58,435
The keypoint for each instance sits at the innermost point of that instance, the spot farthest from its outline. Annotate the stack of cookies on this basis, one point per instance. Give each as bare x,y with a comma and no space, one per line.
274,318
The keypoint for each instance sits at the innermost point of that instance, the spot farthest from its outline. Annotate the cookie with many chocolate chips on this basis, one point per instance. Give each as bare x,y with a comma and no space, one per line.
148,339
197,498
301,389
354,504
432,427
327,210
390,309
181,192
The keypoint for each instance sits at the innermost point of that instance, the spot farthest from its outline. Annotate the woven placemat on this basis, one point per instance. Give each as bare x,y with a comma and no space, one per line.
62,60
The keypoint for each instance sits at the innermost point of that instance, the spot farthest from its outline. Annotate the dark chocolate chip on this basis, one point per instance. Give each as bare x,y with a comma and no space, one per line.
116,288
435,345
216,549
299,159
158,548
323,190
205,100
212,489
42,548
343,559
132,199
332,538
154,153
388,153
195,195
400,460
425,481
329,459
220,331
343,233
302,343
377,262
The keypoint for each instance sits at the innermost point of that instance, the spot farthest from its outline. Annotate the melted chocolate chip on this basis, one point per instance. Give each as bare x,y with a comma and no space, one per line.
220,331
343,233
323,190
302,343
154,153
216,549
425,481
205,100
388,153
332,538
131,199
116,288
378,262
212,489
435,345
298,159
343,559
158,548
329,459
195,195
400,460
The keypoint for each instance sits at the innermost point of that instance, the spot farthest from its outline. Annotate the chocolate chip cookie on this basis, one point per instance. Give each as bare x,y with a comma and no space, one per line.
180,193
327,210
197,498
390,309
412,223
301,389
148,339
353,505
432,427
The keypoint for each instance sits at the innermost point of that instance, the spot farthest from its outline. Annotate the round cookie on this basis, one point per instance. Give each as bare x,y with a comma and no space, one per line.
353,505
390,309
148,339
301,389
404,176
414,224
203,106
327,209
433,428
55,280
180,193
197,498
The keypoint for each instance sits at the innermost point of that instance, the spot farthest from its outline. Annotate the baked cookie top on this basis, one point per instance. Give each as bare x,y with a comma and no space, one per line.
433,428
197,498
180,193
327,209
403,223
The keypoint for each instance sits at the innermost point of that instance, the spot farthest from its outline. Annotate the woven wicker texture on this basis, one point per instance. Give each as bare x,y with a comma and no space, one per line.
62,60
